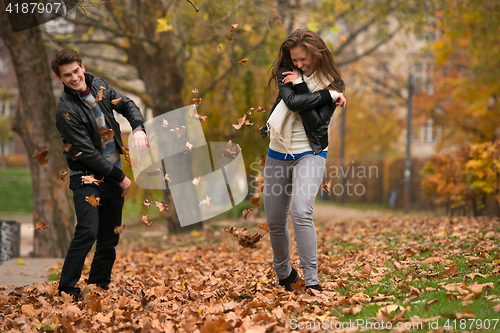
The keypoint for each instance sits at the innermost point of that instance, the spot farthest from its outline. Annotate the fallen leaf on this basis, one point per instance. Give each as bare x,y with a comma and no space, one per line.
496,308
146,221
452,270
116,101
119,229
161,206
178,132
206,201
189,148
164,123
246,213
63,175
233,27
473,275
40,225
98,98
28,310
92,200
256,200
41,157
66,115
91,180
242,61
476,287
106,134
231,151
196,181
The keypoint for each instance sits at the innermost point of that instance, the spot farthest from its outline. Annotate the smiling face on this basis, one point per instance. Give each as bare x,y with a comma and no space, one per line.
72,76
303,60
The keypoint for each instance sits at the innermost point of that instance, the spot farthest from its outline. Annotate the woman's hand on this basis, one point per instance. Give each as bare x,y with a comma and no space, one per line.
341,101
140,141
290,77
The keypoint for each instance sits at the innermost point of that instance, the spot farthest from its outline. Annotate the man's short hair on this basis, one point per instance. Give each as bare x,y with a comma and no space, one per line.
64,57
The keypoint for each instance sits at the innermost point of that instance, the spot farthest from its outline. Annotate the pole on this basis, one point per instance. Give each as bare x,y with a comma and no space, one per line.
407,173
341,157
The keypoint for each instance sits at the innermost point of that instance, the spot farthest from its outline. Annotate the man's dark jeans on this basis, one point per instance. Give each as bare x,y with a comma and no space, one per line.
93,223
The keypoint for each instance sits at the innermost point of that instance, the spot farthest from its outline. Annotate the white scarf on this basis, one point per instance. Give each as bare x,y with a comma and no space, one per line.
279,124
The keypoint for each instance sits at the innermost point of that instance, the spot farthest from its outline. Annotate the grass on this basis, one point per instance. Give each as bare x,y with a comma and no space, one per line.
15,191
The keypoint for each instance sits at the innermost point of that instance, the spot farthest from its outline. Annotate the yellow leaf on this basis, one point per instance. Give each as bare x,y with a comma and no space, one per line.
20,262
125,58
162,24
182,285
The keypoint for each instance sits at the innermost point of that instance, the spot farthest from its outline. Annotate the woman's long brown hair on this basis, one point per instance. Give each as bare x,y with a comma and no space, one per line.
314,45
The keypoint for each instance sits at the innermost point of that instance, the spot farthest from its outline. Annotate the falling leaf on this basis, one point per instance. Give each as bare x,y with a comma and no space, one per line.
106,134
230,38
78,154
259,109
246,239
233,27
66,115
67,147
189,148
247,122
63,175
92,200
41,157
343,37
146,221
249,112
326,186
161,206
206,201
255,200
263,161
119,229
165,123
231,151
219,49
241,122
264,227
196,101
196,181
116,101
162,24
196,115
242,61
91,180
40,225
98,98
167,178
147,203
246,213
178,132
194,91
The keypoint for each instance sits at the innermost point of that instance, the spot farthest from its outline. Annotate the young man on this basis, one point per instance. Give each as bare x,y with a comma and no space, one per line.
93,146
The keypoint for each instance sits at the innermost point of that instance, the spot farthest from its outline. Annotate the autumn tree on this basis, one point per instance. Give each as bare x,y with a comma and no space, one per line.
35,123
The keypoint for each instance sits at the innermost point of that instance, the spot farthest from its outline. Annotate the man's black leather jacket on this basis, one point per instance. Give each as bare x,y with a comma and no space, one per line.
315,109
77,126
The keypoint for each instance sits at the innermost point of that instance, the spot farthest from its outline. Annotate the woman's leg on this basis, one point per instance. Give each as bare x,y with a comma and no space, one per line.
277,193
307,176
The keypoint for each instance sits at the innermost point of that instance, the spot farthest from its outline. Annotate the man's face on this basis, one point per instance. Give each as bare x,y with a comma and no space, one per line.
72,76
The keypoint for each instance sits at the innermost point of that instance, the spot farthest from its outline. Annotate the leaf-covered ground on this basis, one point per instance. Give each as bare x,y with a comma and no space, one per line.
439,274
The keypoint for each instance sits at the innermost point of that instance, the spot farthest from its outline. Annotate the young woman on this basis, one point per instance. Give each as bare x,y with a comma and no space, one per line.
310,87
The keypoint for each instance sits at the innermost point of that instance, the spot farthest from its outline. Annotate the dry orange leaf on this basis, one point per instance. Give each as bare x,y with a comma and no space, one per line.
40,225
161,206
246,239
263,161
219,49
231,151
167,178
164,123
178,132
326,186
66,115
119,229
246,213
189,148
91,180
41,157
106,134
264,227
194,91
206,201
63,175
147,203
116,101
242,61
230,38
233,27
452,270
196,181
196,101
92,200
146,221
197,114
255,200
78,154
98,98
259,109
67,147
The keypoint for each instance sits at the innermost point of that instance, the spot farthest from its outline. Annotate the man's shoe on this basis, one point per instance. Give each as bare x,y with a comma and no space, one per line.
292,278
316,287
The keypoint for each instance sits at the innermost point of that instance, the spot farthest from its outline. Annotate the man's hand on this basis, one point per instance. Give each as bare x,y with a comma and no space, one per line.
140,141
290,77
125,185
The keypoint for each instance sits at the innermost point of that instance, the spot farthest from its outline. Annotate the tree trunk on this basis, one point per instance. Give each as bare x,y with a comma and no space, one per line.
35,123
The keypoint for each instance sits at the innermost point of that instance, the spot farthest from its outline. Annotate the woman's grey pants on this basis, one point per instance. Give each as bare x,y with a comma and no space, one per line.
296,182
